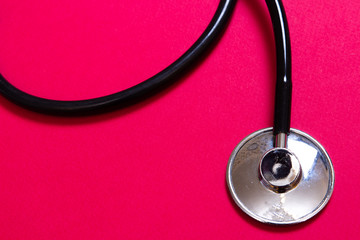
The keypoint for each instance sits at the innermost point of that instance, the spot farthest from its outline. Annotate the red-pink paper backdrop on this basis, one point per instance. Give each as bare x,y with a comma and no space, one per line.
156,170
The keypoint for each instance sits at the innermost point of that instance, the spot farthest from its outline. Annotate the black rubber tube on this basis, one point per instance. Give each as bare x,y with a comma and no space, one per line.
133,94
171,73
282,113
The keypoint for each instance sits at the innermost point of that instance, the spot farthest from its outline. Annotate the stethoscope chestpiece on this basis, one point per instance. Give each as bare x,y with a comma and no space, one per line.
280,185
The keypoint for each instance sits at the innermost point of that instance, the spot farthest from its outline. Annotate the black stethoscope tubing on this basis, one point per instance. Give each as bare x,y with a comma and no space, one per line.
170,74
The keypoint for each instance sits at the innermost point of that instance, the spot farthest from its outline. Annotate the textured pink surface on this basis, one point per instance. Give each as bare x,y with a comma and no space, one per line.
157,170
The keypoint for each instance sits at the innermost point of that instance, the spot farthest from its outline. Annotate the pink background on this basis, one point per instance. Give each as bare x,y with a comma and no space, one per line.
156,170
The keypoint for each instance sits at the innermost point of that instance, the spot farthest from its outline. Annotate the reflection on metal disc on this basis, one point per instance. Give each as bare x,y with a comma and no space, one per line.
262,203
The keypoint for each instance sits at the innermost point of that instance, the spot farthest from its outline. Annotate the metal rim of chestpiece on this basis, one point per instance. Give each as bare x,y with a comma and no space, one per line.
296,204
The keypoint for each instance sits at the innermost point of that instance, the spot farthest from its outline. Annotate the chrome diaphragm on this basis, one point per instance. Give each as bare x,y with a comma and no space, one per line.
280,185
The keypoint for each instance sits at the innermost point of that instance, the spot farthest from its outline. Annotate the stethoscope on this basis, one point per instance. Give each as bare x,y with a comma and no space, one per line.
276,175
